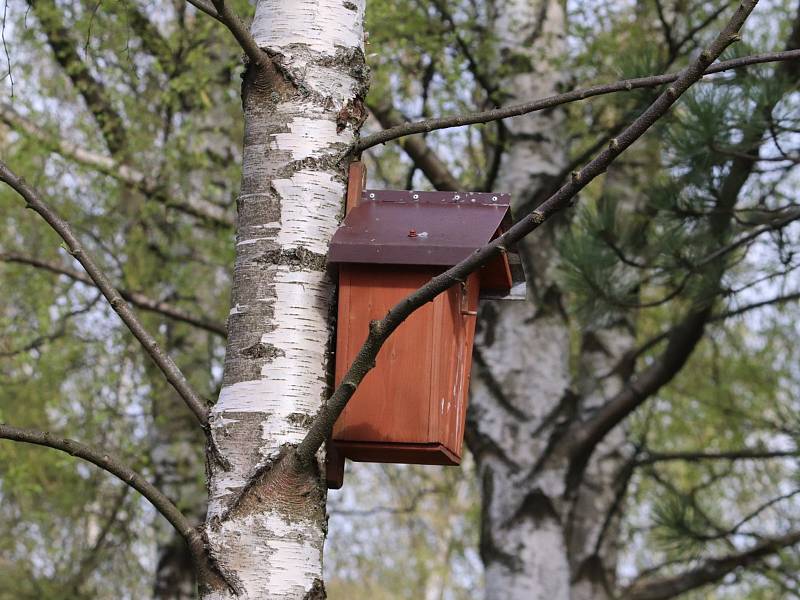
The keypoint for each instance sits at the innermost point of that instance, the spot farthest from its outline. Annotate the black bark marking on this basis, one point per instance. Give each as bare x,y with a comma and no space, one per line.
490,552
353,113
535,506
262,350
317,591
296,258
302,420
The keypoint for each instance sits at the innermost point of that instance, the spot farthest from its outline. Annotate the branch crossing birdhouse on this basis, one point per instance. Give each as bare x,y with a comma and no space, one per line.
411,407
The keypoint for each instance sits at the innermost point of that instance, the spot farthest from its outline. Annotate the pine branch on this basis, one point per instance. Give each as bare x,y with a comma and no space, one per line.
624,85
781,299
380,330
709,571
684,337
101,280
137,299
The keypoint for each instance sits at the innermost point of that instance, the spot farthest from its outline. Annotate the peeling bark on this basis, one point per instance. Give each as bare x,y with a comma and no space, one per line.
266,519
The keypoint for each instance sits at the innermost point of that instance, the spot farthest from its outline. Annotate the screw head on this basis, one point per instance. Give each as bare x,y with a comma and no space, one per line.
372,195
415,196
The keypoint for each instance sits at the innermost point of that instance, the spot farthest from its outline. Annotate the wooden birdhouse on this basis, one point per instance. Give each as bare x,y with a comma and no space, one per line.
411,407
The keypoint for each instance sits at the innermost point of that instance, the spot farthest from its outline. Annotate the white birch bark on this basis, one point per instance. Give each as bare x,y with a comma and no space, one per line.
266,527
520,373
539,536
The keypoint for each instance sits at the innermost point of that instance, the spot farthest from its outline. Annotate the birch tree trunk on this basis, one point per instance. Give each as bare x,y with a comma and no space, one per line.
540,538
266,526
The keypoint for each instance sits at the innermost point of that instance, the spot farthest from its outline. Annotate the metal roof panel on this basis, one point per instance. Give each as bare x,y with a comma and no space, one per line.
418,228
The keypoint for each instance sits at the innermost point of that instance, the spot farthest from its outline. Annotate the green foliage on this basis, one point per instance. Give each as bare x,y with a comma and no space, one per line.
636,246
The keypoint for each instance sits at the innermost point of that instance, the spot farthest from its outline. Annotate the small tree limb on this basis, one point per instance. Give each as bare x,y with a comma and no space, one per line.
782,299
117,467
137,299
495,114
649,458
171,371
135,179
379,331
420,153
242,34
709,571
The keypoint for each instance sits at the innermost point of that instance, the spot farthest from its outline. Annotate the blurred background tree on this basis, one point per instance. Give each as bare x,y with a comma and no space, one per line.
682,257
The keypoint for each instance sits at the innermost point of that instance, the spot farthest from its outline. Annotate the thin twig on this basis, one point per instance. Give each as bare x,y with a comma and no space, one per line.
624,85
379,331
5,47
168,367
137,299
649,458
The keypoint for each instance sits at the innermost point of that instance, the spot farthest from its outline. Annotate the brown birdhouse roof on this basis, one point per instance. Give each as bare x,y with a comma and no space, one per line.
418,228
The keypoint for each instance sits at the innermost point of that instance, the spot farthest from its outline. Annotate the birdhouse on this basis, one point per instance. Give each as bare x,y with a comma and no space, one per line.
411,407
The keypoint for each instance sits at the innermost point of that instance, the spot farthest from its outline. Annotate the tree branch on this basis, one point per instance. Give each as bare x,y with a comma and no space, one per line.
114,465
101,163
418,151
624,85
756,305
649,458
683,338
380,330
101,280
92,91
231,20
205,7
137,299
709,571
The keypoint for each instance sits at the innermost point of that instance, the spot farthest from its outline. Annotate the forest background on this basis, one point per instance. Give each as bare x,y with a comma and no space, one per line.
128,116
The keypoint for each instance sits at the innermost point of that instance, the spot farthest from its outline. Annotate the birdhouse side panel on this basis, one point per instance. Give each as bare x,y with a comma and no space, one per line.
392,404
452,379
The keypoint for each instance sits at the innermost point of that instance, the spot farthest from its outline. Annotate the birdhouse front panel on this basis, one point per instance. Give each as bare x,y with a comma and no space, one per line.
411,407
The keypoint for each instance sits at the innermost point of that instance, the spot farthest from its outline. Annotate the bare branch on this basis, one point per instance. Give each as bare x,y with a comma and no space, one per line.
101,280
137,299
205,7
114,465
231,20
624,85
101,163
709,571
649,458
379,331
779,223
418,151
782,299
